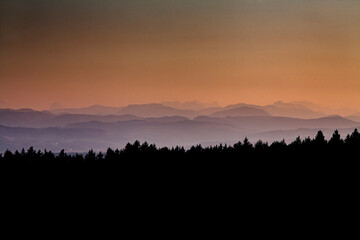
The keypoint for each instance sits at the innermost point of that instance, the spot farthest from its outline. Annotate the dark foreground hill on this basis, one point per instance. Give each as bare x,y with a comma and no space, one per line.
306,187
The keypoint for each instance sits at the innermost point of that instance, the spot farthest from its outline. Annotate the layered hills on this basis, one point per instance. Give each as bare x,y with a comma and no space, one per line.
99,127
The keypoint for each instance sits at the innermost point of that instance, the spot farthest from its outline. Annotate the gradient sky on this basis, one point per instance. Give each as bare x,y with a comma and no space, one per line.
80,53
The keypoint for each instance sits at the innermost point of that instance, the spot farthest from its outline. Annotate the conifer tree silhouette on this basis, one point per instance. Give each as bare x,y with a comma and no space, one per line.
335,140
320,138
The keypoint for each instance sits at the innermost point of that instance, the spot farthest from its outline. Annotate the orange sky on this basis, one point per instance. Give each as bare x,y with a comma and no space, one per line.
80,53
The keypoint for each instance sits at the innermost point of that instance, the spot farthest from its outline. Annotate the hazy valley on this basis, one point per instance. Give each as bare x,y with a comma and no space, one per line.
167,124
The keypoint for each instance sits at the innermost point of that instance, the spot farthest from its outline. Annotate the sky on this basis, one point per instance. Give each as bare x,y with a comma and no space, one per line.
108,52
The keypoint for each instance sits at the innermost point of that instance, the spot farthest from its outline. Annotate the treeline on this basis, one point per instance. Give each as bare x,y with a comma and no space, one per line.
207,190
305,149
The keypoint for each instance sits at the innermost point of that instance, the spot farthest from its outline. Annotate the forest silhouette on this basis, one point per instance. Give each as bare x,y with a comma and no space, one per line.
317,149
301,187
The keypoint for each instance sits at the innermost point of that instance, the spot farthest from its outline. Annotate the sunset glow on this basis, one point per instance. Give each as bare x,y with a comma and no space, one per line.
79,53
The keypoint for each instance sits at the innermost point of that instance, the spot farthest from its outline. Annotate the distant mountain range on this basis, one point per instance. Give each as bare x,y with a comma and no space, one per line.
36,119
354,117
193,105
99,127
240,112
194,109
92,110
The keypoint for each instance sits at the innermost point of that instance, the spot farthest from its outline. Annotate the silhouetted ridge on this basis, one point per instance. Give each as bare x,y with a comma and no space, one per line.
202,189
351,142
156,110
240,112
93,110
